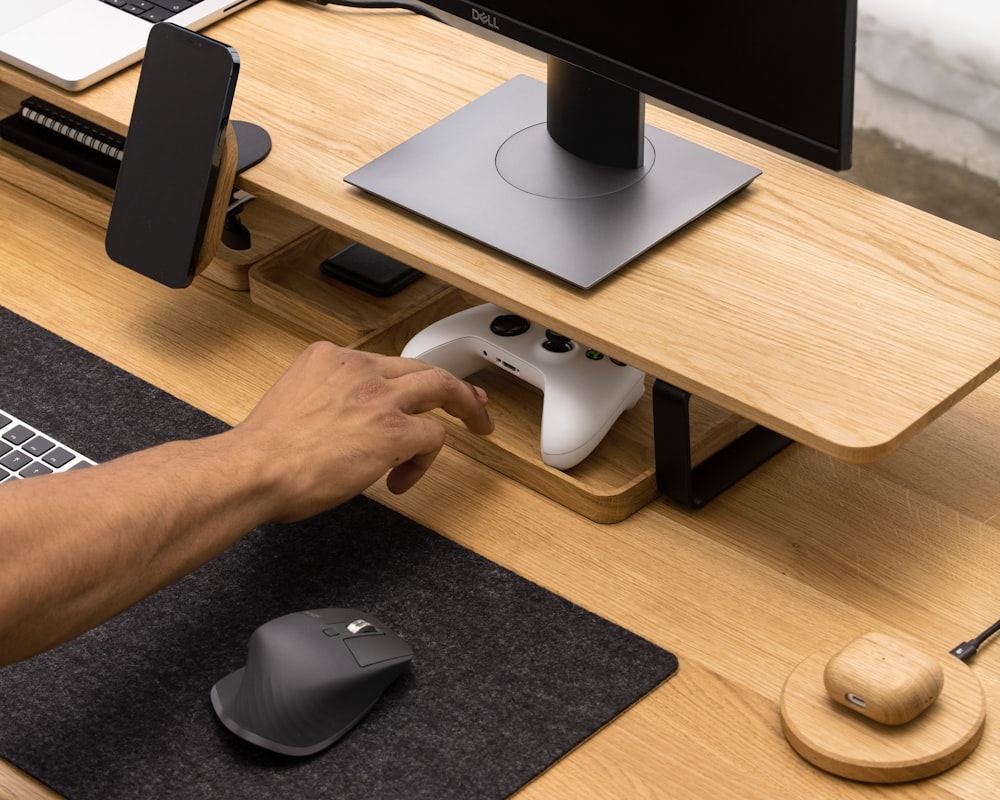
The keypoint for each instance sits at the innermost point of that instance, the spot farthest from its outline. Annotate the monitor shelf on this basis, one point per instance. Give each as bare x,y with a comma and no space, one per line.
838,318
271,226
617,479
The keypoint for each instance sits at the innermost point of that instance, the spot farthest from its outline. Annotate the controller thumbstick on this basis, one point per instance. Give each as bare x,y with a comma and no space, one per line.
557,343
509,325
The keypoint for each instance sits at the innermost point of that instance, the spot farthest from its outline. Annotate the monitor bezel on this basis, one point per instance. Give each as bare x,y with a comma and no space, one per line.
499,27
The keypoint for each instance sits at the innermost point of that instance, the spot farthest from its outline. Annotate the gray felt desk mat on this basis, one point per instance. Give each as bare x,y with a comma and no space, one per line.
506,679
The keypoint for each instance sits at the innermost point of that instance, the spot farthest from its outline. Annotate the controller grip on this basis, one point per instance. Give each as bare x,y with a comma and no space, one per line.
459,356
572,427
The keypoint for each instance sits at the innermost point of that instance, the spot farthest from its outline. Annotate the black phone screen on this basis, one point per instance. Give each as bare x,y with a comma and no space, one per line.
170,165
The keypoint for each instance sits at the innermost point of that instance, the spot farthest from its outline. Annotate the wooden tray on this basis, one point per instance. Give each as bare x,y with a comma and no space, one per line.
271,228
616,480
290,284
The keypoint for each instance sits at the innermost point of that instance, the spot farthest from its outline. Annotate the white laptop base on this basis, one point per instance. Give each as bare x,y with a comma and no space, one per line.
76,43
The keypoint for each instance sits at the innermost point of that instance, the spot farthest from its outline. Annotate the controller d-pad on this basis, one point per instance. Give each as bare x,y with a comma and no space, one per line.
509,325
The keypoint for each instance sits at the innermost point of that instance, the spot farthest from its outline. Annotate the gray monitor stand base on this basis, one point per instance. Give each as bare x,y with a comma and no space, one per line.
491,172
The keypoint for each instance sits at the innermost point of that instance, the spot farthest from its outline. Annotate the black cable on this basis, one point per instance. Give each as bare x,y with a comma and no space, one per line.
416,8
967,650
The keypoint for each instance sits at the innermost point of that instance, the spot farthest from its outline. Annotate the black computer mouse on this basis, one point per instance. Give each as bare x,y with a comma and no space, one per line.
309,678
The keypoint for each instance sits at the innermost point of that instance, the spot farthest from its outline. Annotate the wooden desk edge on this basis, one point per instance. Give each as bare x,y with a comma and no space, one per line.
114,97
688,551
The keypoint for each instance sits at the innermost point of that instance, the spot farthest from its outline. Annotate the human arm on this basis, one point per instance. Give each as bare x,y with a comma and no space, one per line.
79,547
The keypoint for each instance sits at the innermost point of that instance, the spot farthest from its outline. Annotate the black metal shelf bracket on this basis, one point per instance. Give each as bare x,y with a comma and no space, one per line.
694,486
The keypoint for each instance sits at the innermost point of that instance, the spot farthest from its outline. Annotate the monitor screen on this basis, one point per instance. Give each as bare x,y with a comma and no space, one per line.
569,177
778,70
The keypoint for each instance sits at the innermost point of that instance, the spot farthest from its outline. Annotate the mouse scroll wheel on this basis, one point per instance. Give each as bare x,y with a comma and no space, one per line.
361,626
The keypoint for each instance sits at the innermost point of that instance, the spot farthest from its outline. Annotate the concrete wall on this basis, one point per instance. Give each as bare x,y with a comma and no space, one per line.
928,76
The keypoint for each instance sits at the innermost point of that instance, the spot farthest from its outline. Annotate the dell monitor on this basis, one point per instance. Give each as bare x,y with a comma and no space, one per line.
566,175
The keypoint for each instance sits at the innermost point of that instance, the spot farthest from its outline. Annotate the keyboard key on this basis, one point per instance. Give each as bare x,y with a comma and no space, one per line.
173,7
59,457
34,469
18,434
26,452
38,446
15,460
152,10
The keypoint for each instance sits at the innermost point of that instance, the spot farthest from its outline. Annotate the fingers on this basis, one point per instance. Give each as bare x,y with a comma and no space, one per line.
371,407
388,388
418,386
403,476
424,387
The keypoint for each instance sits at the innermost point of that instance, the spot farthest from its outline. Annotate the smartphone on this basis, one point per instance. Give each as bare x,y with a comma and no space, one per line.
163,200
369,270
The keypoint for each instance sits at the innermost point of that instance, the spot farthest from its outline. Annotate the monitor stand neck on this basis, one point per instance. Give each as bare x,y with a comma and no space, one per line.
593,117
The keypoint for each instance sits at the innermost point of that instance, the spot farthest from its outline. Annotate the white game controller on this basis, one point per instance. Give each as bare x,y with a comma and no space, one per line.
585,391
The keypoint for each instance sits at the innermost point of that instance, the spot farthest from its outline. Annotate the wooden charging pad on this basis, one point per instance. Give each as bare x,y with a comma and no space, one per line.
845,743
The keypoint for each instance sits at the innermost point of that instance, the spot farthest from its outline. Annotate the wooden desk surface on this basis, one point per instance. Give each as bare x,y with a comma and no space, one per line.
840,318
806,552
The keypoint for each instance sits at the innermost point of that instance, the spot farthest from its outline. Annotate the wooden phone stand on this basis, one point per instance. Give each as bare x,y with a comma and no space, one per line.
220,200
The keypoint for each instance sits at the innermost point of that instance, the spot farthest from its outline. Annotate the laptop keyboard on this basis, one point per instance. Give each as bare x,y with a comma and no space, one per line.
152,11
26,451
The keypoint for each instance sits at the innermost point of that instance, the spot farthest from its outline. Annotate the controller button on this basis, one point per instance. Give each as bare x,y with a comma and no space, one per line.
509,325
595,355
557,343
618,363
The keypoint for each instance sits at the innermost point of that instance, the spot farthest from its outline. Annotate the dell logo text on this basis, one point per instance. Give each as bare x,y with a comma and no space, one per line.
484,19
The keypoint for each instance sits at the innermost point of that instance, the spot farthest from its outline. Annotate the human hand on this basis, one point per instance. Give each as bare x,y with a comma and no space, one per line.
339,419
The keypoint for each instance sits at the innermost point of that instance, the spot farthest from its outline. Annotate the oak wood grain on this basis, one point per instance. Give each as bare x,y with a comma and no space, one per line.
838,317
849,318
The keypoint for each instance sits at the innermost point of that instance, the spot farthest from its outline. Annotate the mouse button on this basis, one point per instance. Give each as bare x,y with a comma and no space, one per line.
333,616
331,631
362,626
368,650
